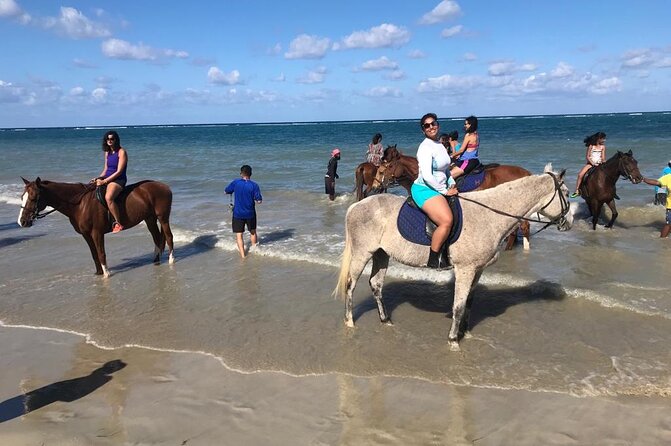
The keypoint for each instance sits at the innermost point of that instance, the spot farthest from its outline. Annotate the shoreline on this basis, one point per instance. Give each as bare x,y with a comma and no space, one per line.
200,402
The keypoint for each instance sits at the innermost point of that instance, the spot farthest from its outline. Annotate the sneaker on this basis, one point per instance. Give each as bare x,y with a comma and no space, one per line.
575,194
116,227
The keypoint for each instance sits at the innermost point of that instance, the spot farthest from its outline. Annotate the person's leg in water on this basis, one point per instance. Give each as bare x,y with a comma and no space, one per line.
113,191
440,213
241,244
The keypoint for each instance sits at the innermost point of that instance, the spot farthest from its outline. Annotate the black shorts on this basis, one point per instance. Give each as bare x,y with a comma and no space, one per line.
239,224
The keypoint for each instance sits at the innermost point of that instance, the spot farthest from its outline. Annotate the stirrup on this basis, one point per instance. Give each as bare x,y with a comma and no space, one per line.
575,194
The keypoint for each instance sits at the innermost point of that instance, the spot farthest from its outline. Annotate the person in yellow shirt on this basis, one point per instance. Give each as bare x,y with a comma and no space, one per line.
664,181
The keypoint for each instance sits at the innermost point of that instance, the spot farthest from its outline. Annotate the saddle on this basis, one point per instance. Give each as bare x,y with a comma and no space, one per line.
583,185
416,227
100,196
474,178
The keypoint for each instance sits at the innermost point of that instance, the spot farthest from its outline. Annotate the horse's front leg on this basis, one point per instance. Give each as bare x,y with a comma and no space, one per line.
378,271
94,252
463,280
595,210
525,227
99,242
463,327
613,212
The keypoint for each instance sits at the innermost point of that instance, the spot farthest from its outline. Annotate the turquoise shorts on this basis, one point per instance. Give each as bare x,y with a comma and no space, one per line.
421,194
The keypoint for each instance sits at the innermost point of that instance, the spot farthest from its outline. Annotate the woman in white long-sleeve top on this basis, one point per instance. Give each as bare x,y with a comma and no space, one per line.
431,186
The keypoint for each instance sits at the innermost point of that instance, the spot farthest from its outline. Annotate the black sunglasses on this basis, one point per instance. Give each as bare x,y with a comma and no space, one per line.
427,125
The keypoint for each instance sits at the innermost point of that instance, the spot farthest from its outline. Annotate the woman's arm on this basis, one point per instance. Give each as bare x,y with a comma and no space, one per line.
425,163
467,139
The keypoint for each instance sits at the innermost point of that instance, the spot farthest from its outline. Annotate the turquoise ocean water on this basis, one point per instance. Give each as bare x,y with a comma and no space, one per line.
239,311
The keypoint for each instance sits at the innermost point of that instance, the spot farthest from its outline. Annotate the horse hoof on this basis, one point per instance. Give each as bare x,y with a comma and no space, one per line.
171,259
454,346
388,323
349,323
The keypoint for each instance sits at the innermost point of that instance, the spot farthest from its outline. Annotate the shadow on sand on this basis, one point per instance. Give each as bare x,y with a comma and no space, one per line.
67,391
438,298
9,241
197,246
6,226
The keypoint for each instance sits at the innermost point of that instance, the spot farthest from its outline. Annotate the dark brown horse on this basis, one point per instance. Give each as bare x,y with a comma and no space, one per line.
364,174
598,186
146,201
403,169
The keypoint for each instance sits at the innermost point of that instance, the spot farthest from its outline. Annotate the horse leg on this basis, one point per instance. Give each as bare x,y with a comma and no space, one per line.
357,264
167,238
99,242
158,240
463,327
613,212
525,227
378,271
463,281
595,209
359,184
94,253
510,240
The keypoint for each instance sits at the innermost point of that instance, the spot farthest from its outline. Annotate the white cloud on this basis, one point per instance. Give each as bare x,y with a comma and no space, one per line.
395,75
121,49
383,36
315,76
99,95
445,10
506,68
452,31
562,70
216,76
77,92
449,82
9,8
469,57
81,63
308,47
606,86
280,78
75,25
11,93
383,92
275,50
416,54
382,63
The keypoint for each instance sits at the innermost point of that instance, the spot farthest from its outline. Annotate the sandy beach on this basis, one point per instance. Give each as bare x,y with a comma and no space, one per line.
191,399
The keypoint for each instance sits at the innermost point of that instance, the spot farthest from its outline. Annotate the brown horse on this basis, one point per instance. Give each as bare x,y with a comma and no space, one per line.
364,174
598,187
403,169
144,201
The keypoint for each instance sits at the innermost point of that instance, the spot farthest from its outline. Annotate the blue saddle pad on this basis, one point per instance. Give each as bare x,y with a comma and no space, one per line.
412,223
471,181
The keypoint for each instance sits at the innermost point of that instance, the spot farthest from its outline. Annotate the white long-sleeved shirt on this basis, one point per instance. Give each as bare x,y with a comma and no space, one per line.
434,163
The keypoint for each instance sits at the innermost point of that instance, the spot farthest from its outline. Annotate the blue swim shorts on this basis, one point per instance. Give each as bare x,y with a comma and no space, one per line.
421,194
668,216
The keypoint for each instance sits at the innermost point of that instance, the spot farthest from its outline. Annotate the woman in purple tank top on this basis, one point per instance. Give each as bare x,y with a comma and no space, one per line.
113,174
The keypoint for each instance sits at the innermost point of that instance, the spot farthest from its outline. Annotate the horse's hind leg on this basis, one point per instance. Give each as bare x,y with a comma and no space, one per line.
156,235
379,269
463,281
357,264
613,212
167,238
525,227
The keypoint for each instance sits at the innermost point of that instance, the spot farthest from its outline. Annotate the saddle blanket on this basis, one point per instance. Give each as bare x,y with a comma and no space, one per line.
415,226
471,181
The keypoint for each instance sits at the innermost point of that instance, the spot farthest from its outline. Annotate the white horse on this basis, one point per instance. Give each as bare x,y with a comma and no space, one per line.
488,216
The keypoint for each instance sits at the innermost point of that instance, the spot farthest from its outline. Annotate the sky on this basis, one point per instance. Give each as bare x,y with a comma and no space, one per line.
142,62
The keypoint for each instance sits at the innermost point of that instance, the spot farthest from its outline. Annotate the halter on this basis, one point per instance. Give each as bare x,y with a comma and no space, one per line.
559,221
36,215
624,172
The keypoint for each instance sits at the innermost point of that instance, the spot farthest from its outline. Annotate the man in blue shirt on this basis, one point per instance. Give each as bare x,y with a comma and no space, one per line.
247,194
660,195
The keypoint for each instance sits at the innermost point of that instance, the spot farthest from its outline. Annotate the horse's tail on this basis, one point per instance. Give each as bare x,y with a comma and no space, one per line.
358,174
343,278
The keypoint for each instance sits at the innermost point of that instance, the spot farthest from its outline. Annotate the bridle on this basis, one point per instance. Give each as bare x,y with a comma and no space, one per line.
35,214
624,172
560,220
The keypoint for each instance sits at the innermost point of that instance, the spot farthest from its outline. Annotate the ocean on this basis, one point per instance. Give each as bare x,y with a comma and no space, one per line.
582,313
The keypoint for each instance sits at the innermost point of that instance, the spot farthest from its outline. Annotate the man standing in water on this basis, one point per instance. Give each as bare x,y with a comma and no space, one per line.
665,182
332,174
247,195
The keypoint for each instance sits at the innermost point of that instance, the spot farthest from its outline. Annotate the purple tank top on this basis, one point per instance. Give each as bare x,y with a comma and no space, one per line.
113,165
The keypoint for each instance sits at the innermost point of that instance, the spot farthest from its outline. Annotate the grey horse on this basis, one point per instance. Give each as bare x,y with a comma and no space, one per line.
488,216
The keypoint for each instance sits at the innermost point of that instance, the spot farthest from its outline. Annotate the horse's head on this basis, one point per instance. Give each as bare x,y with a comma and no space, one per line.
391,153
628,167
558,209
30,202
388,174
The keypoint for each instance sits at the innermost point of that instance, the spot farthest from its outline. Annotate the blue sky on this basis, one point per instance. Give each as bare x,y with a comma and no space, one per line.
158,62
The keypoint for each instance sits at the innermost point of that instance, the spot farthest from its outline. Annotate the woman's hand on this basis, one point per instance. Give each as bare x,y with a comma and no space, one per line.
100,182
451,191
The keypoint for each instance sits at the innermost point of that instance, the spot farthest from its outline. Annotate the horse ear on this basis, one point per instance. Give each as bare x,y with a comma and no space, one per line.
561,174
548,168
38,181
25,181
630,153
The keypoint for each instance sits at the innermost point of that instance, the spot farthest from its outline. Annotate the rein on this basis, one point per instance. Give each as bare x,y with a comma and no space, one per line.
564,205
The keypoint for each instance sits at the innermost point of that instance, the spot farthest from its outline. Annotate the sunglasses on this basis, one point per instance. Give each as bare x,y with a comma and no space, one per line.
111,138
428,125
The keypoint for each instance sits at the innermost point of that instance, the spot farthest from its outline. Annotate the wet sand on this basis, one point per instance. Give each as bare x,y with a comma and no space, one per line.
188,398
